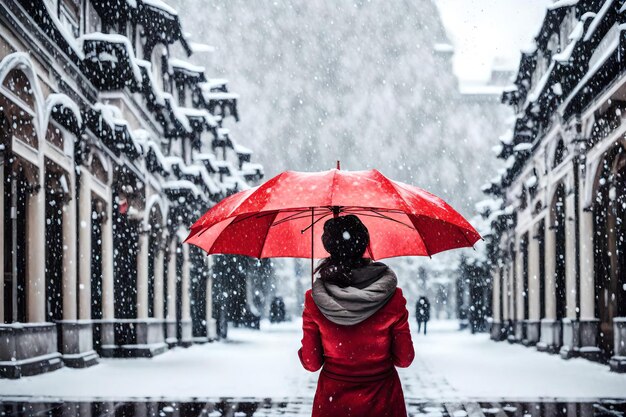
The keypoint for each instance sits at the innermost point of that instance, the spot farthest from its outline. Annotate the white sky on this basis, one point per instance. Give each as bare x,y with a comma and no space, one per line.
485,32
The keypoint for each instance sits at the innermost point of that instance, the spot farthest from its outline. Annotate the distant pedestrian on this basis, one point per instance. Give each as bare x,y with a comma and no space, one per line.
277,310
422,313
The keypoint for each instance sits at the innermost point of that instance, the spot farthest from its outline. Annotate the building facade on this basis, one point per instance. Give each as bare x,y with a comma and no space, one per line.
111,144
558,244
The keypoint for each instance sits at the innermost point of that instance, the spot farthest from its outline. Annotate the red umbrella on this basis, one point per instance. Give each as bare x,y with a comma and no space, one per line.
271,220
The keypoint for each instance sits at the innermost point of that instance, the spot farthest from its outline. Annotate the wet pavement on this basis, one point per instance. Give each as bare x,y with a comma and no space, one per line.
248,407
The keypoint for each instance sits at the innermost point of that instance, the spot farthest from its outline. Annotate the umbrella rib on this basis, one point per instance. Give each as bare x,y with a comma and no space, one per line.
313,223
382,216
296,216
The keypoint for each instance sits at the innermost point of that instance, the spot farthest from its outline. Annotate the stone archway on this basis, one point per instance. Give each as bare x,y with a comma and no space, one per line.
610,245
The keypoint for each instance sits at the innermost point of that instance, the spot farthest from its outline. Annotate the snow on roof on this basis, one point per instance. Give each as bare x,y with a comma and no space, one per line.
174,160
557,89
507,137
225,164
143,137
481,89
601,59
213,83
443,47
207,157
182,184
198,170
236,180
59,99
158,93
251,168
197,47
596,20
529,49
520,147
114,38
68,36
219,95
240,149
193,112
222,132
562,3
531,181
185,65
492,204
159,4
111,114
534,95
204,157
574,37
178,114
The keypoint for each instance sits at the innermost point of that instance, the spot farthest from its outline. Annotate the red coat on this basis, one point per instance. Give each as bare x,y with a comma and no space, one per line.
359,377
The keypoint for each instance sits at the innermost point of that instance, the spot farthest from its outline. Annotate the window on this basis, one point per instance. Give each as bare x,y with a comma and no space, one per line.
91,19
69,17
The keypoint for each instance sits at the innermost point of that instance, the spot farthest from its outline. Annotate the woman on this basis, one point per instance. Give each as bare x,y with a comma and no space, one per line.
355,325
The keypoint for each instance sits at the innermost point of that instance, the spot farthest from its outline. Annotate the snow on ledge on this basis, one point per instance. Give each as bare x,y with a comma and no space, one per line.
59,99
562,3
197,47
160,4
114,38
185,65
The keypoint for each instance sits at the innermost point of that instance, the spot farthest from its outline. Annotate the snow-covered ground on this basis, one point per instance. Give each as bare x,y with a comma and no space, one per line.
450,365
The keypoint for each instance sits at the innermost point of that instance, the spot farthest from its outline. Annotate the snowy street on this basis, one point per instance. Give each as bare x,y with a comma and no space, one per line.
449,366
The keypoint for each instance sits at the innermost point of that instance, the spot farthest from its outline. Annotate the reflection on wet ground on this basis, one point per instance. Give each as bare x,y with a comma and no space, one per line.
259,408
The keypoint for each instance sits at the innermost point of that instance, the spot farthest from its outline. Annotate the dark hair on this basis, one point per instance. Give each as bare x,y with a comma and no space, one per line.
346,239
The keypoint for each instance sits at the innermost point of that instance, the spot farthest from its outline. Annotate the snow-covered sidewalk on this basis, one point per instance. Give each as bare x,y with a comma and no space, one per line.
449,365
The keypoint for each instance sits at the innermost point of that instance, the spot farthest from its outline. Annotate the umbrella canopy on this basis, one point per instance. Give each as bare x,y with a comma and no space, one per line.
272,220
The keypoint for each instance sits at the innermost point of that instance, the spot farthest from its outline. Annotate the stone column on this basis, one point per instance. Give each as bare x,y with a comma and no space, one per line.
570,258
158,283
496,293
171,293
84,245
186,305
496,323
534,309
571,341
35,264
519,283
589,324
69,260
533,276
506,282
108,294
550,329
2,242
587,290
518,291
550,271
142,275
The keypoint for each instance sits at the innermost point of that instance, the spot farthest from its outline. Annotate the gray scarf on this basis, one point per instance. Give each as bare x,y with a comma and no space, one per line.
372,286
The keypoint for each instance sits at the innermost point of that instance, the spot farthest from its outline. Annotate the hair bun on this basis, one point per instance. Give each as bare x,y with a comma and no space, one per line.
345,237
